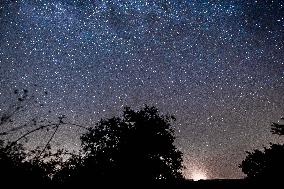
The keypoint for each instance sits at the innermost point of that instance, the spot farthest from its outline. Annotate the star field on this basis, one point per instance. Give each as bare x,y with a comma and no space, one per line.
218,66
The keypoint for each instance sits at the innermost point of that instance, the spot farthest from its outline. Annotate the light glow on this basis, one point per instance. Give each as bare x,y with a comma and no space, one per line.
198,175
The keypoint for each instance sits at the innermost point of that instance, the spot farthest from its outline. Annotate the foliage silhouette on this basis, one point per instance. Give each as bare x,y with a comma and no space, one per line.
29,167
137,148
19,165
266,165
16,168
22,99
278,128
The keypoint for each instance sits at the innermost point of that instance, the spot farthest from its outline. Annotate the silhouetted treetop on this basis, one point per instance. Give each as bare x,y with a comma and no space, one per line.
278,128
137,146
266,165
17,169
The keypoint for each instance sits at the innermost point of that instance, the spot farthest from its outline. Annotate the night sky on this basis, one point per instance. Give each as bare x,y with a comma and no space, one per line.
218,66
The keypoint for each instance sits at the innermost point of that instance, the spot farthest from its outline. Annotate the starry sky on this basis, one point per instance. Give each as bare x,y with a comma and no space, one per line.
218,66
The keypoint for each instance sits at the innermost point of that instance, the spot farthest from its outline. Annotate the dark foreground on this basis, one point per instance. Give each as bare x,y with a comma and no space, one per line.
187,184
202,184
229,183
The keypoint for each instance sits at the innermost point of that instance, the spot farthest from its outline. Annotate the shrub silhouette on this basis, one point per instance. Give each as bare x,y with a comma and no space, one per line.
137,148
16,169
266,165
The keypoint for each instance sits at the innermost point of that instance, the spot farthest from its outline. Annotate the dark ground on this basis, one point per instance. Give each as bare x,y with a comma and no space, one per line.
230,183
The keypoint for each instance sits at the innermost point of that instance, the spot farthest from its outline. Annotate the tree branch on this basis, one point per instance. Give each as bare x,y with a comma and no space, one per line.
48,142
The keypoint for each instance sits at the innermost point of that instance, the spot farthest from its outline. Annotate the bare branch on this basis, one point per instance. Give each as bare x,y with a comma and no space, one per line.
17,107
28,133
48,142
56,125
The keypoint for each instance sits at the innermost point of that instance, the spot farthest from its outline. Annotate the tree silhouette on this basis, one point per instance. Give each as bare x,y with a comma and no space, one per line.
266,165
278,128
29,167
18,164
16,168
137,148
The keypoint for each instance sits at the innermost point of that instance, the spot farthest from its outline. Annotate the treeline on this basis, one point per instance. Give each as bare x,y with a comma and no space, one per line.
136,148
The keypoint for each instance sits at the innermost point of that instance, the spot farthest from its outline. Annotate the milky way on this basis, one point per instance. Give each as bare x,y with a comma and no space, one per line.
218,66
